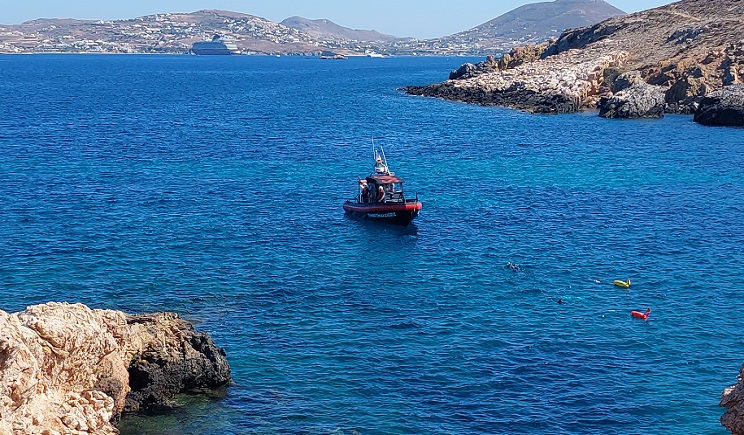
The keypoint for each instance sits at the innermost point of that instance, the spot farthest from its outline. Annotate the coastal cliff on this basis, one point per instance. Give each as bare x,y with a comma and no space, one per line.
687,49
65,368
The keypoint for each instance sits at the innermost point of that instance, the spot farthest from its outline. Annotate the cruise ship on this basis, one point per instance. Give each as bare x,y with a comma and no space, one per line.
217,46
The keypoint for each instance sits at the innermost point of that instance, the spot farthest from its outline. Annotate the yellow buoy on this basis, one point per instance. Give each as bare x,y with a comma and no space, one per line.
623,284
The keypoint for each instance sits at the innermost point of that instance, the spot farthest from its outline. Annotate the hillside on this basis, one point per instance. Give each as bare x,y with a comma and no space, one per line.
688,49
529,24
328,30
686,30
539,22
163,33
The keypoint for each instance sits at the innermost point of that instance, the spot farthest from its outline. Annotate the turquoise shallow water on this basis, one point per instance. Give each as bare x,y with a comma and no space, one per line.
213,187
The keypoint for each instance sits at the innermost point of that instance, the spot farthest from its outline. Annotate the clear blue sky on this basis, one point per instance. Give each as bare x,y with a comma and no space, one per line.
417,18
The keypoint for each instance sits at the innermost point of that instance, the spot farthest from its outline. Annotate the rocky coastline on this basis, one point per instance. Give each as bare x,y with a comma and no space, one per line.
722,108
732,399
66,368
677,54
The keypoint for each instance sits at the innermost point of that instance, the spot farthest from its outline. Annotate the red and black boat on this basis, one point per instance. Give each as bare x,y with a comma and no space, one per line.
381,196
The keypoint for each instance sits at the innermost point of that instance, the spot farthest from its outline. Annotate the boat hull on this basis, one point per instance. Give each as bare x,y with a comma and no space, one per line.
397,213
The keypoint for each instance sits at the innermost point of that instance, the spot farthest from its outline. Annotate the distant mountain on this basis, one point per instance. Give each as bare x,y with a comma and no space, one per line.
328,30
533,23
544,20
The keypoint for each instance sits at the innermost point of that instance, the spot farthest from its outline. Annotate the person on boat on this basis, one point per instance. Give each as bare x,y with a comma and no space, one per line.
364,195
381,194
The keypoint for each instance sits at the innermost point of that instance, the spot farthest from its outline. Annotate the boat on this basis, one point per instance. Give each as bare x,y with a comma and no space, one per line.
217,46
381,196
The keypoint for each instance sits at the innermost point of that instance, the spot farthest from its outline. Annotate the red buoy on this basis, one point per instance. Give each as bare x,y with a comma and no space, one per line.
640,315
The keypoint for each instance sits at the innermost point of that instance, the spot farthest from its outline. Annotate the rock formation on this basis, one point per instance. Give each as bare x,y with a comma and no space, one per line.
557,84
722,108
72,370
687,48
733,400
637,101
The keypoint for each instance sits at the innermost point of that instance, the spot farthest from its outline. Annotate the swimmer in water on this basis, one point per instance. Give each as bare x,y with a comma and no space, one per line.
512,266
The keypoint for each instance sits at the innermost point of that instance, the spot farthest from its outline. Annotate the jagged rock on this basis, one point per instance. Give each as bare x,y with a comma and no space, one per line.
733,400
517,56
65,368
520,55
468,70
722,108
582,37
685,93
626,80
166,367
465,69
640,100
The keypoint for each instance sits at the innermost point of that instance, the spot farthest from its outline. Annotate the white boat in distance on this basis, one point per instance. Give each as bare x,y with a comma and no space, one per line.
217,46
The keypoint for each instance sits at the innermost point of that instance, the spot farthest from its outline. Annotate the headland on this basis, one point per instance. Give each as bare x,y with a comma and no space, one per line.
663,60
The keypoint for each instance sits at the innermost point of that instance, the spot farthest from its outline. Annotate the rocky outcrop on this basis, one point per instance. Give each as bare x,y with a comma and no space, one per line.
639,100
175,358
517,96
557,84
688,48
722,108
623,81
733,400
517,56
468,70
69,369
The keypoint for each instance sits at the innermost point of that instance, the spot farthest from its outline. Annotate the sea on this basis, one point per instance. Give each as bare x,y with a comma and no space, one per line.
213,187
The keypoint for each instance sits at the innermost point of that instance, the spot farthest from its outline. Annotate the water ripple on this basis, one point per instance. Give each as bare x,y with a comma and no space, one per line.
214,189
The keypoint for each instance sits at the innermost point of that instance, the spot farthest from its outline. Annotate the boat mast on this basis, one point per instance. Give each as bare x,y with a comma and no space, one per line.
380,157
374,149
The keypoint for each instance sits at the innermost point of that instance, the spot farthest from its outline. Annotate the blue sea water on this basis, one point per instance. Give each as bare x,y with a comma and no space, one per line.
213,187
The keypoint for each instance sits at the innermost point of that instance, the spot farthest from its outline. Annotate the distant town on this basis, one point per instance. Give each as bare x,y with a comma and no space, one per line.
175,33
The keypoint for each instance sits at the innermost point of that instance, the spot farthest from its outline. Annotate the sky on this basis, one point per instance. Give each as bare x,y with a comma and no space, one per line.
417,18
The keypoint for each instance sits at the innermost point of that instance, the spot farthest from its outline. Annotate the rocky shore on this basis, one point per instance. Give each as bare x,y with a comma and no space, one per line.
562,83
722,108
679,54
68,369
733,400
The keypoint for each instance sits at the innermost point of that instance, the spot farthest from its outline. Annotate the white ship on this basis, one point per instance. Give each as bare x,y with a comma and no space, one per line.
217,46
